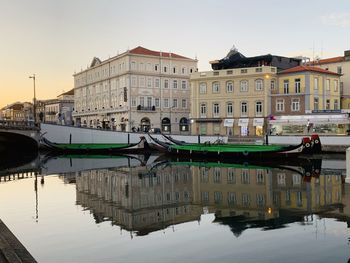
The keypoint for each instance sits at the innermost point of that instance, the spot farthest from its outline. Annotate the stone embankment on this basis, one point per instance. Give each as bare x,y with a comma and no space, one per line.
11,249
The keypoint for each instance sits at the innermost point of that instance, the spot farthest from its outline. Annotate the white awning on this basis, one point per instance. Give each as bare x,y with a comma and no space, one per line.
228,122
243,122
258,122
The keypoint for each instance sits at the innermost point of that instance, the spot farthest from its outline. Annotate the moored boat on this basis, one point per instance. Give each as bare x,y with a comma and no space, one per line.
141,146
238,151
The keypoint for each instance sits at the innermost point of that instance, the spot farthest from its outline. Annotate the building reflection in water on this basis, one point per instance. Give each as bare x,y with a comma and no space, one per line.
146,199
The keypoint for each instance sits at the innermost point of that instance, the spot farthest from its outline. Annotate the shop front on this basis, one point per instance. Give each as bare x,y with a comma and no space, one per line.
228,124
258,124
331,124
243,125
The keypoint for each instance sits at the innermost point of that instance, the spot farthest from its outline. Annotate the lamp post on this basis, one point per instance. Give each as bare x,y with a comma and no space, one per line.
34,100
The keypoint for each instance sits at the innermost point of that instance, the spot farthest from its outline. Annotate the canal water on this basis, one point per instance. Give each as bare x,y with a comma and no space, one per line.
152,209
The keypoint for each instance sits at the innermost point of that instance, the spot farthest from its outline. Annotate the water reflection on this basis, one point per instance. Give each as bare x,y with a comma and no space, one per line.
143,194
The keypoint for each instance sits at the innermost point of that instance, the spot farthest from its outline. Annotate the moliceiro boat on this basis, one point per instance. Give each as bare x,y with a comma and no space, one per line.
140,146
220,150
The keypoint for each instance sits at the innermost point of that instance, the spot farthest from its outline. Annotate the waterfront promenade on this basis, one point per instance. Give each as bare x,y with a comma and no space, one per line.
11,249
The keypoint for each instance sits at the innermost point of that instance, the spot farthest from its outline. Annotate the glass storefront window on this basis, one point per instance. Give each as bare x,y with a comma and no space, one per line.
331,129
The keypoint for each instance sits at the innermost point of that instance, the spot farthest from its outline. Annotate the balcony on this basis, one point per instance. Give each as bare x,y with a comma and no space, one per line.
146,108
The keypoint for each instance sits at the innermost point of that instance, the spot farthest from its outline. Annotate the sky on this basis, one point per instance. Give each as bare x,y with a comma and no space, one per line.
54,39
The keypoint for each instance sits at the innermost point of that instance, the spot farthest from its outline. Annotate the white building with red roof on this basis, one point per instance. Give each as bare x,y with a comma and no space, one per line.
140,89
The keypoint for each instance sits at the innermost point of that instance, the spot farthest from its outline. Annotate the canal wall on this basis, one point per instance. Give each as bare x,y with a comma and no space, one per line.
71,134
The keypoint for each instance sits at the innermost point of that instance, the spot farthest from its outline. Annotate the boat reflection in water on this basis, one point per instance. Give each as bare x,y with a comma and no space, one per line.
153,196
142,194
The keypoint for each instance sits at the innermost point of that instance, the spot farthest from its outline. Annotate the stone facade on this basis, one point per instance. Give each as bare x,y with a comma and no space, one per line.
139,89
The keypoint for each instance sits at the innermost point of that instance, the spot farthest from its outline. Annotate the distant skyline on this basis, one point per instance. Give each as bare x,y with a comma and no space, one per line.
54,39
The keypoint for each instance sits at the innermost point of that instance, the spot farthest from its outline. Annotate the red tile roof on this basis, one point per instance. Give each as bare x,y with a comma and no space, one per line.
308,68
327,60
144,51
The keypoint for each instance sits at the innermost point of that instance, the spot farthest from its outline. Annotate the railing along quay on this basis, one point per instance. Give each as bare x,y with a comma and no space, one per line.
18,125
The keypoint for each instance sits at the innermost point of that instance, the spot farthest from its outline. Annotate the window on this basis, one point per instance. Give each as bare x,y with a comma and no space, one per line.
203,110
336,85
165,69
174,70
216,87
286,86
280,105
133,81
202,88
244,108
166,103
175,84
258,85
133,102
260,178
149,82
216,110
244,85
315,103
315,83
184,103
328,84
229,86
183,70
184,84
156,67
328,104
149,102
244,71
229,109
156,83
156,102
166,83
174,103
231,177
142,81
245,177
142,101
258,108
272,85
297,86
336,105
133,65
339,70
295,105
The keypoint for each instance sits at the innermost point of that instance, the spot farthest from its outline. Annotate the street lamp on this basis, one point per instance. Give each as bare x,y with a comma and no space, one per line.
34,101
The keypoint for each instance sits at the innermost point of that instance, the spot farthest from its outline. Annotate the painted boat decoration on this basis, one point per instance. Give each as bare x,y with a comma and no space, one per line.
96,147
238,151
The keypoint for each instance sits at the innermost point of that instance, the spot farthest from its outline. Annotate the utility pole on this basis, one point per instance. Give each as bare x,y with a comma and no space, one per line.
34,100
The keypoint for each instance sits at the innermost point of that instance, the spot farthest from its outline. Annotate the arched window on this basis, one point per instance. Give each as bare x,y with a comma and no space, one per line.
145,124
183,124
166,125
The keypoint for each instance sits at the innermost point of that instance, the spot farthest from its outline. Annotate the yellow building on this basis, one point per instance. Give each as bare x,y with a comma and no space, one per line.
231,102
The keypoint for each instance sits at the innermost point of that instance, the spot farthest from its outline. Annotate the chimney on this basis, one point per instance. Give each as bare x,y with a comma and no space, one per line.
347,55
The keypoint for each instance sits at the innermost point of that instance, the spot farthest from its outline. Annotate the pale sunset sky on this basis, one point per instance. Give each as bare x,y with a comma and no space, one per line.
55,38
